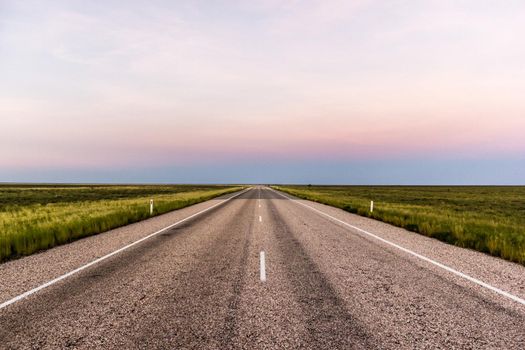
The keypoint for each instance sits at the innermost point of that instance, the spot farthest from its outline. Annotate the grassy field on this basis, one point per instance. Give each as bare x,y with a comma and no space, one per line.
36,217
489,219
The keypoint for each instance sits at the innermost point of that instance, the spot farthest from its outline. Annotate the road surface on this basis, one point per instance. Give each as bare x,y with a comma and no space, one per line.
202,284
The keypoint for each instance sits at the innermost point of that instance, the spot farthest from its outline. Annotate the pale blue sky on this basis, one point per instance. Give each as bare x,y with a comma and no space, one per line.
360,91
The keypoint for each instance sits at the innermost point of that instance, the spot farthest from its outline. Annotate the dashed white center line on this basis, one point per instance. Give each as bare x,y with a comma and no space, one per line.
263,267
260,218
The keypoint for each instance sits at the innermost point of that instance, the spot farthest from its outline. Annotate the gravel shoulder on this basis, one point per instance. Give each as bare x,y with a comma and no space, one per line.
175,290
398,300
21,275
500,273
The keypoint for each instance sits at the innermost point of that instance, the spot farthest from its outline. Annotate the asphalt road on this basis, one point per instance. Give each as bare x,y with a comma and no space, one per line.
198,285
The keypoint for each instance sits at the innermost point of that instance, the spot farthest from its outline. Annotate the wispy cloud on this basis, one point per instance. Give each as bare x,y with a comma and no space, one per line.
120,84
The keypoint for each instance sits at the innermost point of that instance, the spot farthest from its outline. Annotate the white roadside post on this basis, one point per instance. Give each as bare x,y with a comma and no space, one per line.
151,207
371,206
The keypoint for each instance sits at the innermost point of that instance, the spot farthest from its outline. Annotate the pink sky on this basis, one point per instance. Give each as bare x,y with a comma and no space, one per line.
178,83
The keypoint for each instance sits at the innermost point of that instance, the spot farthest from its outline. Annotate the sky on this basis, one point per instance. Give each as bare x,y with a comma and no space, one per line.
334,92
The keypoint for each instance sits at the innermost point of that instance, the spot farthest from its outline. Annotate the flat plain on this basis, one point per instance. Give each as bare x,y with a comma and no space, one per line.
489,219
36,217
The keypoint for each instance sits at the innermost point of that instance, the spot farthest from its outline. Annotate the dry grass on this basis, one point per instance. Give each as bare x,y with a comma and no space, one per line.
489,219
33,218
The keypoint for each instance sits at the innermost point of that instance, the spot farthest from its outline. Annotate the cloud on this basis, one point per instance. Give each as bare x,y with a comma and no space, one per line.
106,84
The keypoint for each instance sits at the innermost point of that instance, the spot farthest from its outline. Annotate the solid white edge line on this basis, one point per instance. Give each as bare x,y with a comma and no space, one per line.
263,267
422,257
96,261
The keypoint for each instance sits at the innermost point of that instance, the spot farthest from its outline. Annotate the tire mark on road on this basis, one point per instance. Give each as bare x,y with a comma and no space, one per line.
71,298
329,323
230,323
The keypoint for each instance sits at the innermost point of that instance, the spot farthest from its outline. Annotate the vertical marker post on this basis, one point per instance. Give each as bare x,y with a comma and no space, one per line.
151,207
371,206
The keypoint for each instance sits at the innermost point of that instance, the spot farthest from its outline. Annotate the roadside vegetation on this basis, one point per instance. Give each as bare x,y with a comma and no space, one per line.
489,219
36,217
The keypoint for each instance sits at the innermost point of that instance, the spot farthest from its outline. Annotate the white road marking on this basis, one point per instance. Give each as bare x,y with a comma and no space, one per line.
96,261
422,257
263,267
260,218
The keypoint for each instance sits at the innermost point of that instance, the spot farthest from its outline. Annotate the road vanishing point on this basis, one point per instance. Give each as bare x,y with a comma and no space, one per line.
259,269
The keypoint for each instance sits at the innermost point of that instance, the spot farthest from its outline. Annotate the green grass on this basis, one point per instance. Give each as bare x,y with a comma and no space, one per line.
489,219
36,217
